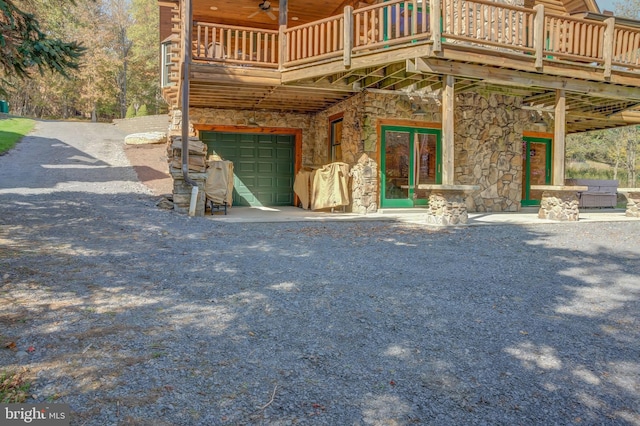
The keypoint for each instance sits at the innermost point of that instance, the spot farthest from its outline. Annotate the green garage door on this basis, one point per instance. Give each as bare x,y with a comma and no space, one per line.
262,166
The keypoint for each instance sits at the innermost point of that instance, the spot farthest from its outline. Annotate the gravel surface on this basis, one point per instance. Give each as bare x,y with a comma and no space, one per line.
135,315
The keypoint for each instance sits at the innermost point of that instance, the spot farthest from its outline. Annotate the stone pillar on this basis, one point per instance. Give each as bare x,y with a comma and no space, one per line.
447,208
633,201
559,205
364,194
182,192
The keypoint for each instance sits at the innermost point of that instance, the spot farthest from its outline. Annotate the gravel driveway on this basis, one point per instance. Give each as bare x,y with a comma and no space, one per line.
139,316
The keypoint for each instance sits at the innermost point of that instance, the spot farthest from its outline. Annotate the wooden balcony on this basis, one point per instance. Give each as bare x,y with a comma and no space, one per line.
403,45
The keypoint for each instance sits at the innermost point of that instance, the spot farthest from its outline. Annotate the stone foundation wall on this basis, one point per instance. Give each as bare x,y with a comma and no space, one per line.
488,150
232,117
488,138
351,132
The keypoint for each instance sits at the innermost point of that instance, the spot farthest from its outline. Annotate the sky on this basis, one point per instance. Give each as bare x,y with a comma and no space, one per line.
605,5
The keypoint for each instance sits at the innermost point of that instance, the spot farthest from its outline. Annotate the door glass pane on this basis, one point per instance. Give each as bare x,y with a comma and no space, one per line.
426,159
425,171
397,150
538,163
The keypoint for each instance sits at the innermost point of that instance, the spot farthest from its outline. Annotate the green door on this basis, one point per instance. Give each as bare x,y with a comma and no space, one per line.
410,156
536,154
262,166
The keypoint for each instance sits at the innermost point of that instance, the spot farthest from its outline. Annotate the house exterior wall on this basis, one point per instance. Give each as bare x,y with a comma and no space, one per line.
488,139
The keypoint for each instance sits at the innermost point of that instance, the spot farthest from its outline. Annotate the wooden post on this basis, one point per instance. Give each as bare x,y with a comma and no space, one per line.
283,13
434,23
607,51
414,17
538,35
558,138
448,146
348,36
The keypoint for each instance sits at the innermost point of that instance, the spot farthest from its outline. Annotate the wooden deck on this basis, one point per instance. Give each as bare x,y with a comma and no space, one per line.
401,45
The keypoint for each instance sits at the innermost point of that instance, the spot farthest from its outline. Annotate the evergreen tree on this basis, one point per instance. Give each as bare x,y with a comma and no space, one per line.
142,111
131,112
24,47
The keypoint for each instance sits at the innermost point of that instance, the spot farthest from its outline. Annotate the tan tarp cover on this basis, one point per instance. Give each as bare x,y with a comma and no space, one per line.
330,186
219,184
302,187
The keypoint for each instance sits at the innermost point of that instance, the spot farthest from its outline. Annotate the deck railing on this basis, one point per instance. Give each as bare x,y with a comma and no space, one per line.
574,39
626,51
315,41
489,24
216,42
477,23
390,23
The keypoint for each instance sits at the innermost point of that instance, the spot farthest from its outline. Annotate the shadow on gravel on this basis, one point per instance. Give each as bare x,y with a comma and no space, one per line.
138,315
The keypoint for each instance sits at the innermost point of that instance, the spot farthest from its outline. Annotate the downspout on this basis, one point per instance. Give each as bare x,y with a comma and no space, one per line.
186,61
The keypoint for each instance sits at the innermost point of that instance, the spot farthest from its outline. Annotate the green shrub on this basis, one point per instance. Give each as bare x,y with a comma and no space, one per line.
142,111
131,112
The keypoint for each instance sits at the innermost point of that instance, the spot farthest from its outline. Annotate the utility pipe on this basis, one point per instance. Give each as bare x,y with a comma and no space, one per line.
186,60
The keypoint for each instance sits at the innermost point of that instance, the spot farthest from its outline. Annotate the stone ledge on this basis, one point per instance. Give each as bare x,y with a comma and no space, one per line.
441,187
629,190
560,188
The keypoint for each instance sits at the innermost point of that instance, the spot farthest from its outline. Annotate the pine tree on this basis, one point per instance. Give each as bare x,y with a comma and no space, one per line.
25,47
131,112
142,111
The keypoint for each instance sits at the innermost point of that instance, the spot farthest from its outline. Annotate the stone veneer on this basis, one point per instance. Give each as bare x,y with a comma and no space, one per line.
633,201
364,185
488,139
559,205
488,150
447,209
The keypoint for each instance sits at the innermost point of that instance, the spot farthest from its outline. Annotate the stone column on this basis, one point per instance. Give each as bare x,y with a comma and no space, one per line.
633,201
559,205
447,204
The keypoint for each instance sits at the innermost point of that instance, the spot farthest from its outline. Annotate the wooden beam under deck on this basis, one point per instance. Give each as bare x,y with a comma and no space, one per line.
507,77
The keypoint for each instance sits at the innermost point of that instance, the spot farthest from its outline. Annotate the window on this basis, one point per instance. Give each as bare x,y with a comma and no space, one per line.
335,137
165,57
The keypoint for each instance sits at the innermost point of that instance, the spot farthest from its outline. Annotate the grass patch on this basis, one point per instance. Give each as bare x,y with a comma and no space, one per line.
14,388
12,130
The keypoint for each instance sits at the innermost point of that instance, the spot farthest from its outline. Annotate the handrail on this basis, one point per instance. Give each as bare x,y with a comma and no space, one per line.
316,40
626,50
489,23
534,33
390,23
228,43
574,38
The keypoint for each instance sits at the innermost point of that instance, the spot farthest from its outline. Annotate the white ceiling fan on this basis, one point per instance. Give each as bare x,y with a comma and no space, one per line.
264,6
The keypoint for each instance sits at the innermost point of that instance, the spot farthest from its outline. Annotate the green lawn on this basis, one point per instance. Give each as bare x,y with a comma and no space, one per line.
12,130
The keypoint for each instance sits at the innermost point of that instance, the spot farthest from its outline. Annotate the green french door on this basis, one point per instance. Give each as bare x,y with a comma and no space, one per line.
536,154
410,156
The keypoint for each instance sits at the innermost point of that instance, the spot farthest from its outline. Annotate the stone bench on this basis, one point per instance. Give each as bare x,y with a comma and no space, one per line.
447,204
633,201
559,202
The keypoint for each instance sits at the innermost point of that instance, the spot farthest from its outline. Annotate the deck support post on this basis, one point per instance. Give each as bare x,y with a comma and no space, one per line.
348,36
434,25
448,147
607,52
283,11
559,138
538,35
